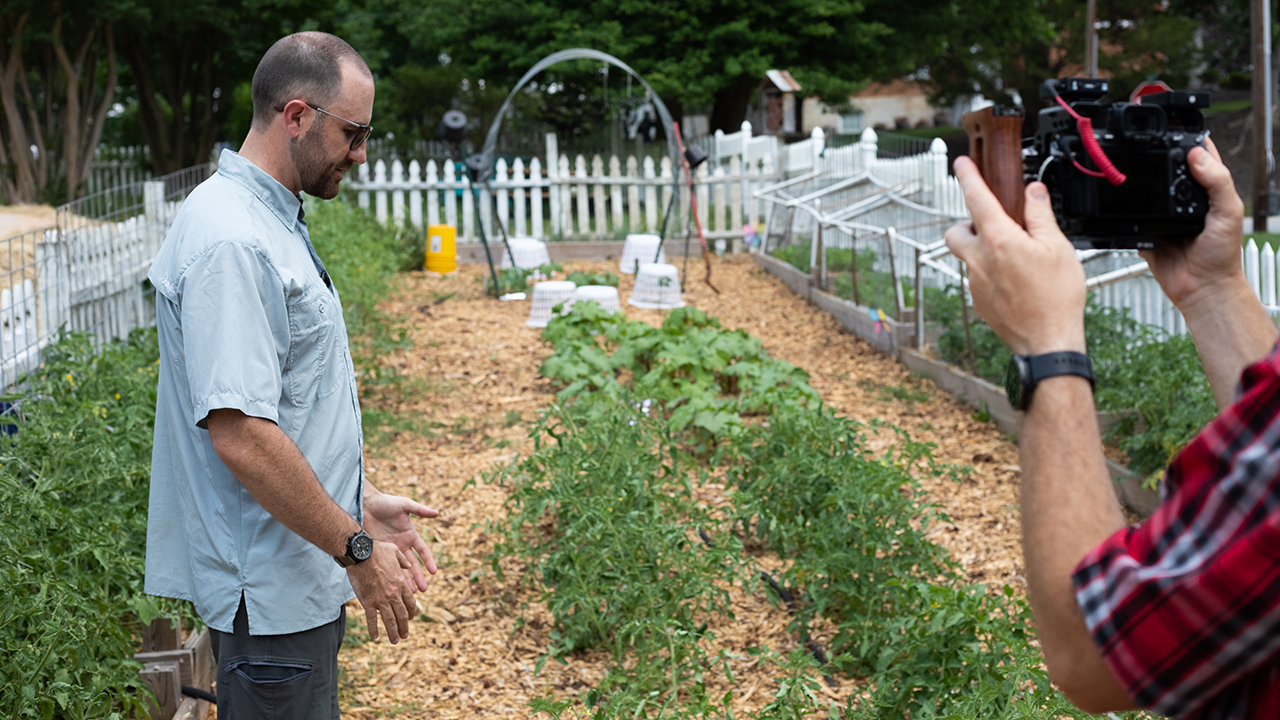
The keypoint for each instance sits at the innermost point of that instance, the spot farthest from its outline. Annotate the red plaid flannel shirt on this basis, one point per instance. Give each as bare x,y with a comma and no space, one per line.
1186,606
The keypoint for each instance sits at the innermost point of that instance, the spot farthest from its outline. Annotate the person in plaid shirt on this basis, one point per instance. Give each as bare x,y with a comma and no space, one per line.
1181,613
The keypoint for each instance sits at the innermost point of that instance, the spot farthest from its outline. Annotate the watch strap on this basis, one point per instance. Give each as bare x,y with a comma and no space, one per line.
1042,367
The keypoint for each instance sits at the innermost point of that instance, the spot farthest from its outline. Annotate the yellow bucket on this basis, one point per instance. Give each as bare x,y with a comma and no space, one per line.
442,248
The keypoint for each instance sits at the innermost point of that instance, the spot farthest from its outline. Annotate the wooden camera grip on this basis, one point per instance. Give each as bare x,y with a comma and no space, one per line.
995,144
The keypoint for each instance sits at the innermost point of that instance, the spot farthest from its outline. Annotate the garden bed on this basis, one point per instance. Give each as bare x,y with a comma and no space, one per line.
473,390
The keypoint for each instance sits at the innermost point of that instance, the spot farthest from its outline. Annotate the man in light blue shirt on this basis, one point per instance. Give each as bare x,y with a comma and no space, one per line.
257,483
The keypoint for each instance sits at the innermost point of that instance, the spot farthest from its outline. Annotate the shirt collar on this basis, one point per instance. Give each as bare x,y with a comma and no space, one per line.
286,206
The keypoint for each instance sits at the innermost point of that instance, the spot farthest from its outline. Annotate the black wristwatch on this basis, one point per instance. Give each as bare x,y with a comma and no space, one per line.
359,549
1026,371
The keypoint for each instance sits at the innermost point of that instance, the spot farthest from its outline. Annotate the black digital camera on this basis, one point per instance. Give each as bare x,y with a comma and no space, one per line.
1144,143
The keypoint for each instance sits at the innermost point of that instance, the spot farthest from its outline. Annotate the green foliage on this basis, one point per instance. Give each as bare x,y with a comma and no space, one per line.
73,485
1161,378
514,279
700,377
603,513
610,532
1154,380
581,278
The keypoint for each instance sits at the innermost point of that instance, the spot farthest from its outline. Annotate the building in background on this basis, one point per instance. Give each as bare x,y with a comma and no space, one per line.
782,109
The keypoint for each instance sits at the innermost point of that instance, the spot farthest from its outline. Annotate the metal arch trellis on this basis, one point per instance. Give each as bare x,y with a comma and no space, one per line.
491,139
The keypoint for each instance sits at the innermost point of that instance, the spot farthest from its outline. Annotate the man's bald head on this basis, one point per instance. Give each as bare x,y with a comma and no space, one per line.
305,65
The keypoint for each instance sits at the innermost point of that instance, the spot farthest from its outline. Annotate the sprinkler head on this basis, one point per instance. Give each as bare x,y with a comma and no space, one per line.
477,168
453,127
695,155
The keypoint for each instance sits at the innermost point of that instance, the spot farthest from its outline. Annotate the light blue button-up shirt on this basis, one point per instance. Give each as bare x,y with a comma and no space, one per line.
247,320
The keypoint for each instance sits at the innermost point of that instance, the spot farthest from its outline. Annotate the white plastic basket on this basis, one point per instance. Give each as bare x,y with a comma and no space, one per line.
547,295
529,252
606,295
657,287
638,250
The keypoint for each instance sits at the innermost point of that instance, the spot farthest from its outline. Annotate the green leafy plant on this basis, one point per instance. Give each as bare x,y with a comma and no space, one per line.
580,278
1152,379
699,376
610,532
73,487
603,515
514,279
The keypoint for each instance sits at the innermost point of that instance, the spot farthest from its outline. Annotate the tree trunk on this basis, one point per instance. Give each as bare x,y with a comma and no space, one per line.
21,187
83,117
730,107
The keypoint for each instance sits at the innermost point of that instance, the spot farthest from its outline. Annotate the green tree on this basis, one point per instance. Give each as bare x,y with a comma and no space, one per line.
997,48
692,53
186,60
57,81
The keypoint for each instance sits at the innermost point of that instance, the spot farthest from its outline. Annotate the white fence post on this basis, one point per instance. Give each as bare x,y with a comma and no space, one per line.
597,195
936,172
867,147
633,194
518,194
362,198
584,213
415,195
651,208
535,196
397,195
553,177
153,207
615,194
380,196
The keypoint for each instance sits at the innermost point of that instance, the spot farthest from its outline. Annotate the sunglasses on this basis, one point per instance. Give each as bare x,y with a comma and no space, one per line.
362,131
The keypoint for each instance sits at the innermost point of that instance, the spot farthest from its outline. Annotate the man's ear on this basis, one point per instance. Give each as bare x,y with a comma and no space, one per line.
295,118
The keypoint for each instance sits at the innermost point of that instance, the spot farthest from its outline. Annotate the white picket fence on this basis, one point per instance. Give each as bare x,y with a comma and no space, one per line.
578,198
900,208
114,167
87,273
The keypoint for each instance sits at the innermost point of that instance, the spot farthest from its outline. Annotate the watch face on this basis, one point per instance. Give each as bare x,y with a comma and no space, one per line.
361,546
1013,381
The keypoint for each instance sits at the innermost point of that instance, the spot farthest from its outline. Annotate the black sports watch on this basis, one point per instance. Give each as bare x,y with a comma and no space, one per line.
1026,371
359,549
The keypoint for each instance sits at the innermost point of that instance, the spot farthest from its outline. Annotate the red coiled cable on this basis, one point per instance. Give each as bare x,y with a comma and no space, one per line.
1091,146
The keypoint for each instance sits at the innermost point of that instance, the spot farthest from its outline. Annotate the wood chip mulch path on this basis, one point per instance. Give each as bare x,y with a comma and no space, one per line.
473,390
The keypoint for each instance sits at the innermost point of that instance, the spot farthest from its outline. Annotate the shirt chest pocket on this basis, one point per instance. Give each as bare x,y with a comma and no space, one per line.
314,368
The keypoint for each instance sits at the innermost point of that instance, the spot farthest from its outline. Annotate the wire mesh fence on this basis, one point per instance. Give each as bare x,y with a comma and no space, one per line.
87,273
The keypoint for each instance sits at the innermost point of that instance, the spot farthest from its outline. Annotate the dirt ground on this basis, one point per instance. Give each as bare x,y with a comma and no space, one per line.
474,389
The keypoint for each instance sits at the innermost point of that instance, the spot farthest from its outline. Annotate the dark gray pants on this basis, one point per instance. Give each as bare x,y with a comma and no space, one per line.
278,677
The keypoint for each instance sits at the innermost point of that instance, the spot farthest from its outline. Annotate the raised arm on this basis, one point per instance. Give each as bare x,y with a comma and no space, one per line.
1206,281
1028,285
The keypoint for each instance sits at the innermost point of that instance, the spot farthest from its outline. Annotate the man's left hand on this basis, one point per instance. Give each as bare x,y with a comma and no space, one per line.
389,518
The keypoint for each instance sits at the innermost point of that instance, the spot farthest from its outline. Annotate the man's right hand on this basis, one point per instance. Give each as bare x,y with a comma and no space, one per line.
381,588
1198,272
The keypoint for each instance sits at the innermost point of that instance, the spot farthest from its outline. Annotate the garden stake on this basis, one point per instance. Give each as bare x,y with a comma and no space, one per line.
475,197
498,221
853,267
693,207
964,312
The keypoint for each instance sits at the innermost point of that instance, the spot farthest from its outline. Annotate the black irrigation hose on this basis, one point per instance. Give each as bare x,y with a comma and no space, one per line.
785,595
199,694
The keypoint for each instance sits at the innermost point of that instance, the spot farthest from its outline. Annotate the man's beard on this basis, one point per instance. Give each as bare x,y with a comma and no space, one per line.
319,177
